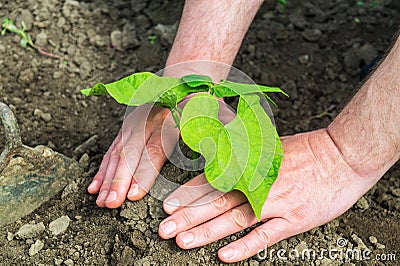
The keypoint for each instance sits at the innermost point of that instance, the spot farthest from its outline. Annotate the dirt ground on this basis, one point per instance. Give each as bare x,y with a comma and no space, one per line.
313,49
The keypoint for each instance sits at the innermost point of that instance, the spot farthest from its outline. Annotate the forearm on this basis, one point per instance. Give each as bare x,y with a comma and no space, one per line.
367,131
210,30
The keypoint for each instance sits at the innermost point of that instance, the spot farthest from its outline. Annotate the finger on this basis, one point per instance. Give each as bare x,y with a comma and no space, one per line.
228,223
105,183
257,240
151,162
200,211
100,175
129,158
187,193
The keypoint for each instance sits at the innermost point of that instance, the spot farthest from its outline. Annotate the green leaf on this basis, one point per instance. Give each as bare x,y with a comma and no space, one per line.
195,80
245,154
230,89
145,87
23,43
283,2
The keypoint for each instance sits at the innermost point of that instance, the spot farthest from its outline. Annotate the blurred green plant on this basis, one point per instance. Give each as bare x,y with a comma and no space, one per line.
26,40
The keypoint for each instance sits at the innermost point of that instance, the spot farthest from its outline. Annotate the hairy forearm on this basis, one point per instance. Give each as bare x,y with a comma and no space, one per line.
211,30
367,131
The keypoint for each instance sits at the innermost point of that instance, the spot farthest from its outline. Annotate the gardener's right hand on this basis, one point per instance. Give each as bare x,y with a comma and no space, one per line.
134,159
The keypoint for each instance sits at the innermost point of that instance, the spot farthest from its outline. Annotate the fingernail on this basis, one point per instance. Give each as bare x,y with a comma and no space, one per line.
171,205
134,190
112,196
102,196
168,228
187,238
227,253
93,184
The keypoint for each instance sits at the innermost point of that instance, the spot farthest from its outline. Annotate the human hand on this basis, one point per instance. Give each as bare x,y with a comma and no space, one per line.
134,159
314,186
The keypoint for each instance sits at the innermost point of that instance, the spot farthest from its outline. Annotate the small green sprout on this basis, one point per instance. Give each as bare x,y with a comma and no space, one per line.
152,39
26,40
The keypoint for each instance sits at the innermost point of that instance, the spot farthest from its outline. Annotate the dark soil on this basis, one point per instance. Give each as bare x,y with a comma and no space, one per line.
313,49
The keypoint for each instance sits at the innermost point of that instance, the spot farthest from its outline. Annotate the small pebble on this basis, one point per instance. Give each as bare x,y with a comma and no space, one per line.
362,203
46,117
59,225
69,262
304,59
10,236
380,246
38,112
35,248
30,230
373,240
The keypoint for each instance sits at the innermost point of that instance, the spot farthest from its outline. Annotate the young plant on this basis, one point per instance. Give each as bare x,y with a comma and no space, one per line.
244,154
9,25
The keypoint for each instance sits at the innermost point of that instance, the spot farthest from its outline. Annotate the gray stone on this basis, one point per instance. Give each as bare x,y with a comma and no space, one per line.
69,262
311,35
41,39
166,32
116,39
57,75
61,22
59,225
46,117
10,236
373,240
2,48
304,59
35,248
58,261
84,70
30,230
129,38
70,8
101,41
26,17
362,203
37,112
367,53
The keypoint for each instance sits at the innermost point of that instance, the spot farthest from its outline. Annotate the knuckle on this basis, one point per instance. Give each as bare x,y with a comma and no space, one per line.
130,150
186,217
263,235
239,218
207,232
220,202
153,149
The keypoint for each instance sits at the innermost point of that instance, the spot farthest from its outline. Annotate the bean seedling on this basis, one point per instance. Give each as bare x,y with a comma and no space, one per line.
244,154
9,25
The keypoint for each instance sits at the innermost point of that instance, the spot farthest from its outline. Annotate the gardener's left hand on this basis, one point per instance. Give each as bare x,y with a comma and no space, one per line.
314,186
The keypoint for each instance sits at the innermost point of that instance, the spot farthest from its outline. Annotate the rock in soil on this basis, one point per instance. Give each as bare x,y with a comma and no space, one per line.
59,225
30,230
36,247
